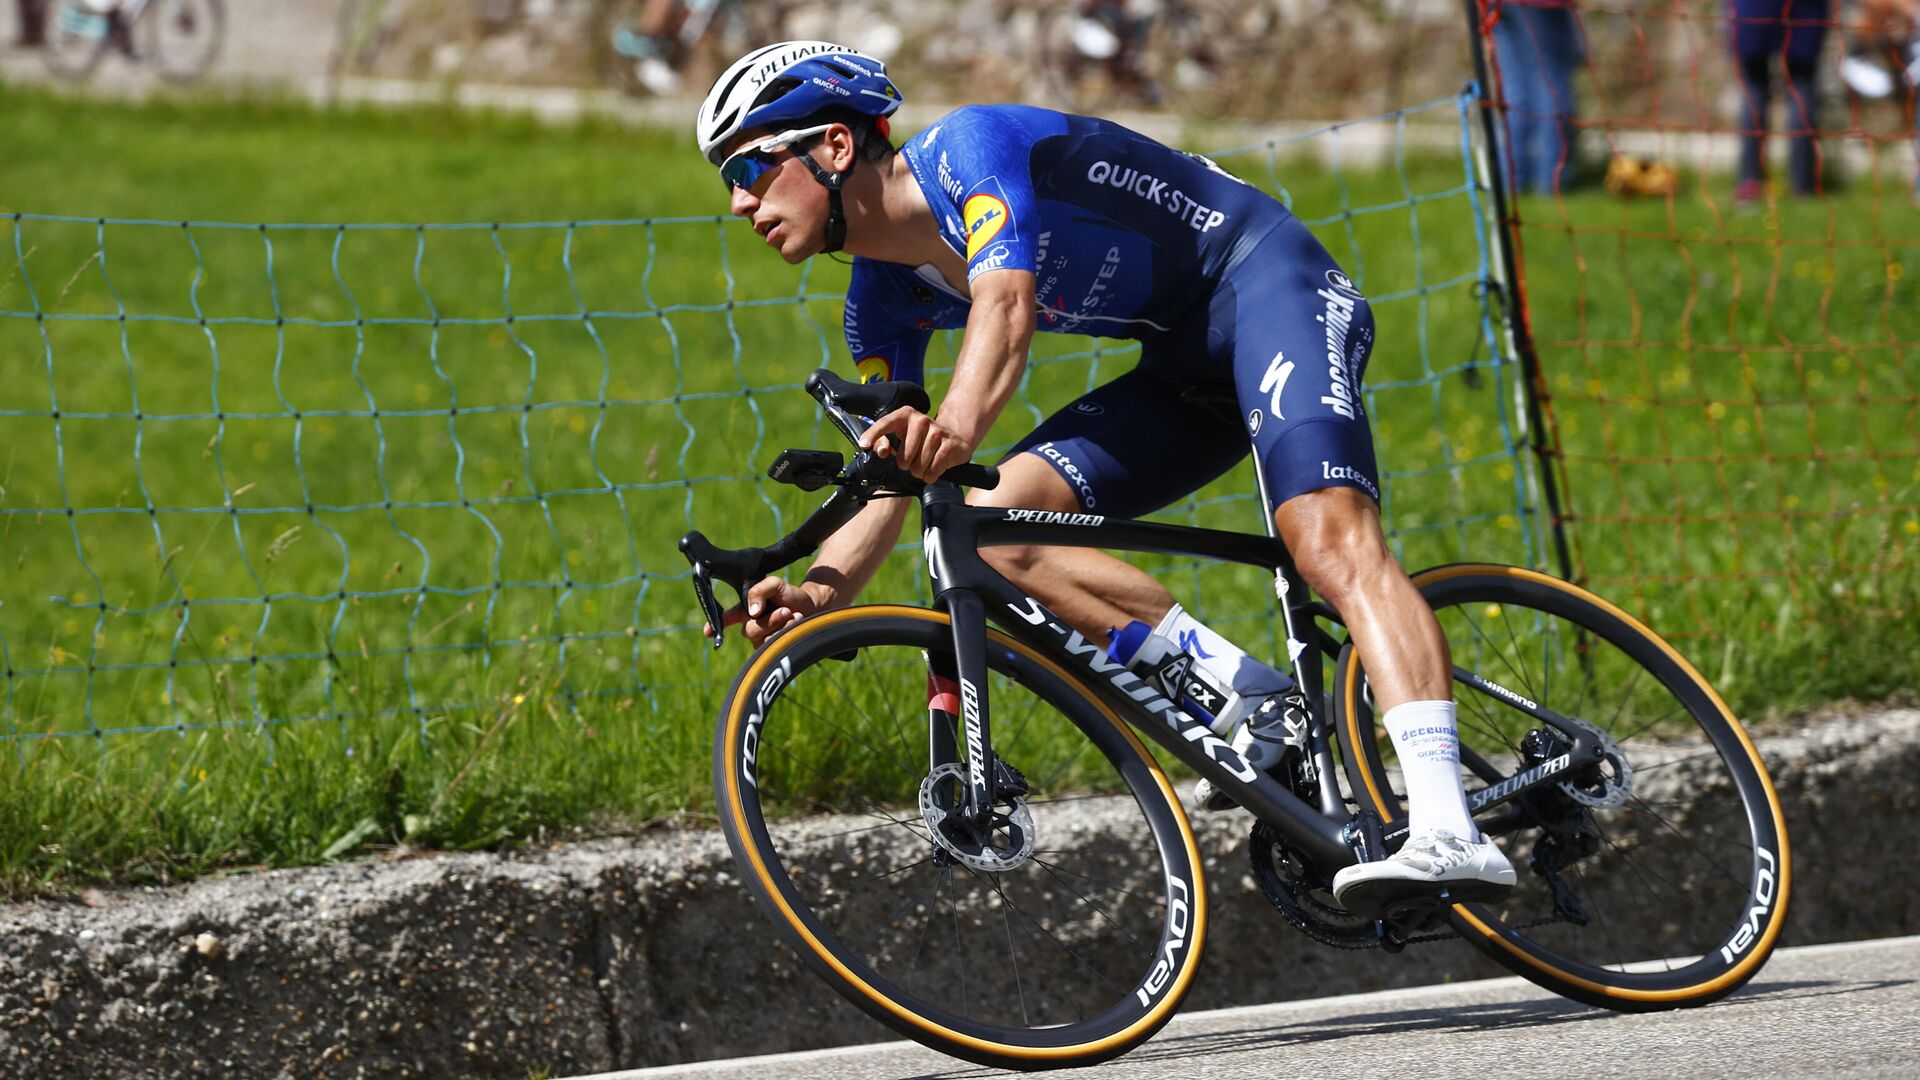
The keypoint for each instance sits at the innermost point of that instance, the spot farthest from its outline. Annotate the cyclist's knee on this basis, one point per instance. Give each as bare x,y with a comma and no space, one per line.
1336,541
1025,481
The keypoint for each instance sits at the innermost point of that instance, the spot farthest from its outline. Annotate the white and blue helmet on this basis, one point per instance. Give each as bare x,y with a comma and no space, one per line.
779,85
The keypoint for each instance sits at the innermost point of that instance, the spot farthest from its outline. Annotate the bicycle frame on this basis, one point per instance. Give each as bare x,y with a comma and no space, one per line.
1330,834
971,592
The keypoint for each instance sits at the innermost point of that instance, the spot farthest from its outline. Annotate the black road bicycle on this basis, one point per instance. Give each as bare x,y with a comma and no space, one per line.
960,829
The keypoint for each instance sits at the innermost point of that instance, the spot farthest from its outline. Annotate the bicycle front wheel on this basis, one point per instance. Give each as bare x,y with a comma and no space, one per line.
183,36
1652,877
1069,940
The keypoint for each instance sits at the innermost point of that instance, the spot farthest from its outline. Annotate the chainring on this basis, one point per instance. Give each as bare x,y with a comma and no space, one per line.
1306,903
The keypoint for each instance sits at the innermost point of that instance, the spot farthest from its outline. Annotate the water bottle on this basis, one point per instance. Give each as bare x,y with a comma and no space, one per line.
1220,690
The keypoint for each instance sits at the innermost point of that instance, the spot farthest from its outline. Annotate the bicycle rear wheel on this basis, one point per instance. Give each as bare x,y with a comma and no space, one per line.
76,39
1653,878
1068,942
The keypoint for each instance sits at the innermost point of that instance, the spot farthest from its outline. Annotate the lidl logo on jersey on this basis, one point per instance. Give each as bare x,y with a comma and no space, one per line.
873,369
985,216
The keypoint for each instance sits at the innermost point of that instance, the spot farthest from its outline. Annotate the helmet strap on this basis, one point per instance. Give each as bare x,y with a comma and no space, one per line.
833,182
836,214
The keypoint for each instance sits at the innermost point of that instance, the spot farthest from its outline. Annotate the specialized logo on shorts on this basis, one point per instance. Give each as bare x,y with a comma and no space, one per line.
1275,380
985,216
1089,408
1342,282
874,369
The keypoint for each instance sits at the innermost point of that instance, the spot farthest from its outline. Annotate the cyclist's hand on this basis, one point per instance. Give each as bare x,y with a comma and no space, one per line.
921,444
771,605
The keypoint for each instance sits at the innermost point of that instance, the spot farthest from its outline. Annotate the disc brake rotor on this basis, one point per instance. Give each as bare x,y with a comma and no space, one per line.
1006,844
1606,781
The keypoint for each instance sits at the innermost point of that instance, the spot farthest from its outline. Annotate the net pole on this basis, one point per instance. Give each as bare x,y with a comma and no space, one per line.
1509,284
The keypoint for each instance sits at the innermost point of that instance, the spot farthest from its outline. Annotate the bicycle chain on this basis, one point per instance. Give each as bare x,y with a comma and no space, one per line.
1443,935
1290,905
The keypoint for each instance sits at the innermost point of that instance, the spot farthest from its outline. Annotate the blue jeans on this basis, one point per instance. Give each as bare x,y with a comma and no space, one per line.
1538,49
1803,106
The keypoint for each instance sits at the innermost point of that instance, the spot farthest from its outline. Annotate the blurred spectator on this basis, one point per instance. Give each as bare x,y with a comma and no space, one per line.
1538,44
1794,31
31,25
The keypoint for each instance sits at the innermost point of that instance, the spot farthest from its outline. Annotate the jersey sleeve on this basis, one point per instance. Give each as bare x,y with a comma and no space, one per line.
985,169
884,339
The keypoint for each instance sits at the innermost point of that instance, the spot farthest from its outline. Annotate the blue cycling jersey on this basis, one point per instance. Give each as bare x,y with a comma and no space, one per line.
1122,234
1252,336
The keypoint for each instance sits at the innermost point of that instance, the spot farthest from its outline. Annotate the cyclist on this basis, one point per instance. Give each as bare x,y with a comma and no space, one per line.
1007,219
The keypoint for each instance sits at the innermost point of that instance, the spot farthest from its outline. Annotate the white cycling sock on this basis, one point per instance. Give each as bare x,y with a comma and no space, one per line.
1428,743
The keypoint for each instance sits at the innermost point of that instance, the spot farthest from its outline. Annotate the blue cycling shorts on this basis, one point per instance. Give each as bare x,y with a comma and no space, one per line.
1272,362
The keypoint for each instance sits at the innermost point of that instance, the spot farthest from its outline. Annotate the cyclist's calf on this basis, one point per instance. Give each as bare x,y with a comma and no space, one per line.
1339,548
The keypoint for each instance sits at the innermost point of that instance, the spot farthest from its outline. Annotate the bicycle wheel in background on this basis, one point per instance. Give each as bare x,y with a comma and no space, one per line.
76,39
1067,937
1653,878
181,38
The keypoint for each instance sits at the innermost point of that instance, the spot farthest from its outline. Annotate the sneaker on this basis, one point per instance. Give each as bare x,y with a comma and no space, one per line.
1435,864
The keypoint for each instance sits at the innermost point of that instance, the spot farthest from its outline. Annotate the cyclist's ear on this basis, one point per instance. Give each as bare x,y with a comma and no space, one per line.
840,147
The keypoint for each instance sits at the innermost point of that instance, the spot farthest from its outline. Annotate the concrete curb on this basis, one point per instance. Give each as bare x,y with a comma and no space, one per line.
619,954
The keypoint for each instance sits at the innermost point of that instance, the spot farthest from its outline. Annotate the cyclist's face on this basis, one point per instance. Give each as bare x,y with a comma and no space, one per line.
787,207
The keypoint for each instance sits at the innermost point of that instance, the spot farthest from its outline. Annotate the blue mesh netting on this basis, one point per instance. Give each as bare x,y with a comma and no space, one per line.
268,474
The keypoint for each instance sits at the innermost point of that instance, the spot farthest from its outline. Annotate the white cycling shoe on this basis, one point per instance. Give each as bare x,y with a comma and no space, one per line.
1433,864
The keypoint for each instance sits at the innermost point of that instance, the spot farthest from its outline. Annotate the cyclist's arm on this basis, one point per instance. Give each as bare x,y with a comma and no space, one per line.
992,357
850,557
846,562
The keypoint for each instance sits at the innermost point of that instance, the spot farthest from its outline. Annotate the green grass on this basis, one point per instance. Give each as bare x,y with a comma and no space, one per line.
478,715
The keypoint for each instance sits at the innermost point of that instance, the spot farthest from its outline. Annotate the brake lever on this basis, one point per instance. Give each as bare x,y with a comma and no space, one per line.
704,556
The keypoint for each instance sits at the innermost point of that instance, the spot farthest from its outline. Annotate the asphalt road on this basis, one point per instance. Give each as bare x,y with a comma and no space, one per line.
1824,1010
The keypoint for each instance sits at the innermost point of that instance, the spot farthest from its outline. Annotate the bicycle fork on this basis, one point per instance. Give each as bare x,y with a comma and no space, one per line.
955,691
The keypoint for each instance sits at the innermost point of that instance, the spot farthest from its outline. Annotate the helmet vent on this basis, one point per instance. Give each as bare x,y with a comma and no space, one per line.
775,90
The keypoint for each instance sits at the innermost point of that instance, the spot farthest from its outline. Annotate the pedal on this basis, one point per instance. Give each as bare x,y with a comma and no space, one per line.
1406,920
1416,916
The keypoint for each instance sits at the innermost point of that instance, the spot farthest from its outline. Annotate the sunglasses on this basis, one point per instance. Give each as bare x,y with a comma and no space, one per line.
745,166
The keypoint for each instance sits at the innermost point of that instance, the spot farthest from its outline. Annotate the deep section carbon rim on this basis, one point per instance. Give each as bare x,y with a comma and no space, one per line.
1651,878
1068,944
